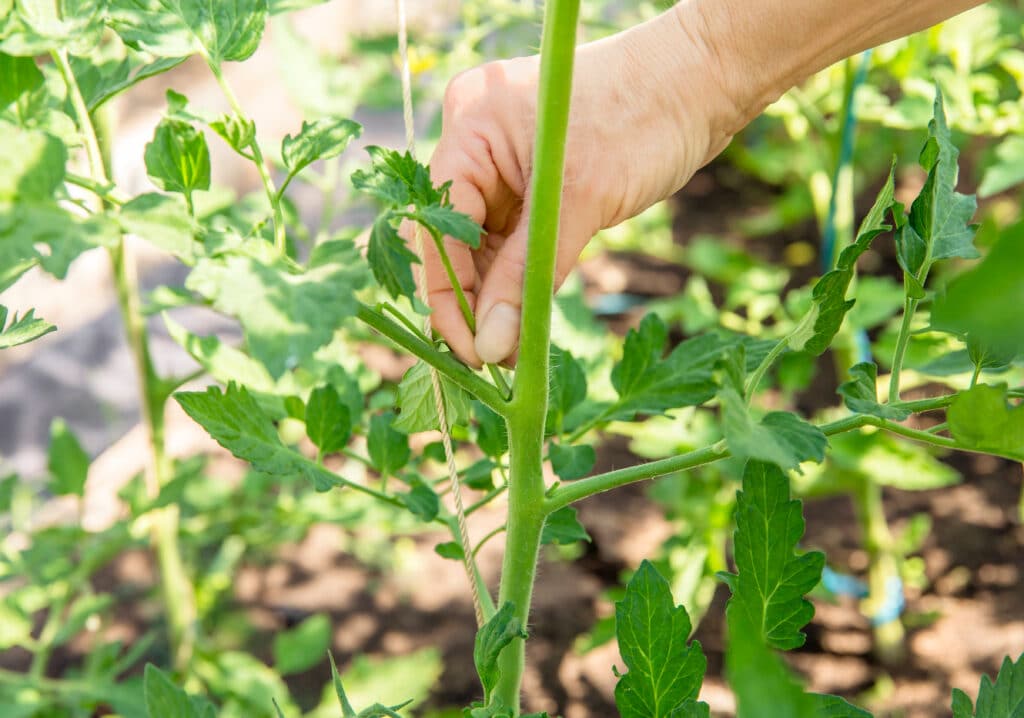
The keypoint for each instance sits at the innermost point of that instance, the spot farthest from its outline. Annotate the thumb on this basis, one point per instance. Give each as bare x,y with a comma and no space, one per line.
500,300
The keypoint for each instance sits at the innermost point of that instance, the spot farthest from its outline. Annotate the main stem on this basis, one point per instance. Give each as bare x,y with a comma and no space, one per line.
526,510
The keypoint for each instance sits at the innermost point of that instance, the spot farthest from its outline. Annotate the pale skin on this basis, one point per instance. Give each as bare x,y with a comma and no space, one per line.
650,106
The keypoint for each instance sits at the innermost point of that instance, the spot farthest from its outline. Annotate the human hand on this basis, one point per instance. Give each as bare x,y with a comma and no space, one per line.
646,113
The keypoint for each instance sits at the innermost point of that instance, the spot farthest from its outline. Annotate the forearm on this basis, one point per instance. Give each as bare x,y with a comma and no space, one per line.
765,47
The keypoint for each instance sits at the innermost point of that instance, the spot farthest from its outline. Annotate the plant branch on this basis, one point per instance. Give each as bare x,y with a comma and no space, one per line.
763,367
444,362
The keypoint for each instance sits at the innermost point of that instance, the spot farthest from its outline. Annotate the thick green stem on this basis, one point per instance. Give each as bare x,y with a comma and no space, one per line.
280,239
526,511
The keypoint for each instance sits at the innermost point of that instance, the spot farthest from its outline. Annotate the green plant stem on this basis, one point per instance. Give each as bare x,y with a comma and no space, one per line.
491,534
41,656
280,239
486,499
902,339
178,592
526,510
444,362
107,192
763,367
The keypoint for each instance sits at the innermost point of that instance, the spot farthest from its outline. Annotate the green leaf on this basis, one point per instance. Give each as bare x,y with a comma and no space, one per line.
238,132
177,159
41,26
222,30
320,140
860,394
397,180
163,698
829,304
164,222
987,302
390,260
21,331
388,449
835,707
567,387
502,628
940,215
450,223
1008,169
21,77
646,383
450,550
302,647
981,419
78,614
235,420
780,437
571,462
339,690
417,404
422,500
287,313
68,462
563,527
664,672
31,164
328,424
771,579
1002,699
763,686
492,434
104,81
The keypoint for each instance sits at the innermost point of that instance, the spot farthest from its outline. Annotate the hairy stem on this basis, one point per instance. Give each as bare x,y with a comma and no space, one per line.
526,512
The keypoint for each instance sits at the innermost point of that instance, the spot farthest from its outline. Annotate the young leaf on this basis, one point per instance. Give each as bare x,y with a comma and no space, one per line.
177,159
23,330
829,305
416,401
328,424
237,423
451,223
302,647
781,438
568,387
940,215
1002,699
648,384
396,179
502,628
860,394
238,132
981,419
388,449
771,578
163,698
68,462
492,434
665,673
563,527
571,462
320,140
390,260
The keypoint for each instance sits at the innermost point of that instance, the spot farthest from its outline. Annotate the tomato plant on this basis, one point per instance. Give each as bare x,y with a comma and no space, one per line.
291,399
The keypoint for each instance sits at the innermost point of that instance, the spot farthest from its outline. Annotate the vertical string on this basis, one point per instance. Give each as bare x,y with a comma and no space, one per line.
435,380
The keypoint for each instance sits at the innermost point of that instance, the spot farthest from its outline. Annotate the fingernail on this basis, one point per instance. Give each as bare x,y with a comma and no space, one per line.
498,333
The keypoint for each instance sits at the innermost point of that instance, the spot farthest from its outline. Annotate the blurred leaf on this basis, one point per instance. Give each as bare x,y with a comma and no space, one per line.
15,626
81,610
563,527
38,27
21,77
422,500
780,437
981,419
328,424
31,164
987,302
571,462
1008,169
177,159
450,550
302,647
568,387
417,404
1002,699
319,140
492,434
861,395
164,222
388,449
23,330
665,674
164,699
68,462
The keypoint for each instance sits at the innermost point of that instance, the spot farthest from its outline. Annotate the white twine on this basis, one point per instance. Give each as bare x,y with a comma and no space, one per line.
435,379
